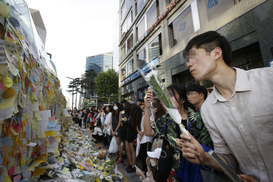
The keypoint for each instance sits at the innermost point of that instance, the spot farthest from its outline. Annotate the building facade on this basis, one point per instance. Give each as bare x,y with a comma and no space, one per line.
153,31
100,62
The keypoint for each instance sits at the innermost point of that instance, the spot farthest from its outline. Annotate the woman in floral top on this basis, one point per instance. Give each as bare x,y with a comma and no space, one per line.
194,124
165,125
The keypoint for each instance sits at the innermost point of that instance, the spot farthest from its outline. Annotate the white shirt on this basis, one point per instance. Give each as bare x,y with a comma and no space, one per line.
243,125
144,138
108,118
97,131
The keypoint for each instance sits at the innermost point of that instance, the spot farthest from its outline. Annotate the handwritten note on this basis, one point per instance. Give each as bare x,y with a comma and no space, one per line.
65,170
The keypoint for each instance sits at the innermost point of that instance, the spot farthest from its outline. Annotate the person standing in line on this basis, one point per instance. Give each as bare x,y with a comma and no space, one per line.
129,135
239,111
115,125
143,141
74,115
197,95
107,122
80,118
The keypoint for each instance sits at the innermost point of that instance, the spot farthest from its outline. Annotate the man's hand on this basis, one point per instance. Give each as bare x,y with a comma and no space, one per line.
246,178
191,149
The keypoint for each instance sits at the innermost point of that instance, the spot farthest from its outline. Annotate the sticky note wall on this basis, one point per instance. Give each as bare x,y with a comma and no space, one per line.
32,106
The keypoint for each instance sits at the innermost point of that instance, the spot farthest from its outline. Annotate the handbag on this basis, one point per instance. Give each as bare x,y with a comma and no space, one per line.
209,175
113,148
158,142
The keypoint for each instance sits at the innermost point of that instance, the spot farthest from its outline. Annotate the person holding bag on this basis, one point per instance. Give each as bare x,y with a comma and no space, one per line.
170,156
115,125
106,124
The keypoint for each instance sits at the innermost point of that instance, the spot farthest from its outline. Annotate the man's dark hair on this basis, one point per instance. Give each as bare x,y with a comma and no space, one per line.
140,100
208,41
123,101
198,88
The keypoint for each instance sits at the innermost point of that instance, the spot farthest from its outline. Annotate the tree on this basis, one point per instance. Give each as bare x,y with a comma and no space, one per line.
88,83
107,85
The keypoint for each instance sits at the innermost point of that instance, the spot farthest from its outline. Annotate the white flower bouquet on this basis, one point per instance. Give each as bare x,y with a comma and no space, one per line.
152,79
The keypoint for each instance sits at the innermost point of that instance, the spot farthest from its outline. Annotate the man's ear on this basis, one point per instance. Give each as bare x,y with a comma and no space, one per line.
218,53
202,95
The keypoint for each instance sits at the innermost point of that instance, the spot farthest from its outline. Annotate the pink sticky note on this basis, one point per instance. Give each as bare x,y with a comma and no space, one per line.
51,119
17,178
11,171
2,85
17,128
22,150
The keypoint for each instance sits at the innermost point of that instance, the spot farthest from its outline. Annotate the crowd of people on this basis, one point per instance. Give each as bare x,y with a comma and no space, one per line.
232,121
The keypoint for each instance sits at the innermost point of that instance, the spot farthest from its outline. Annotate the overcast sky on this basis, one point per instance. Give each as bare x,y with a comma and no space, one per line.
76,29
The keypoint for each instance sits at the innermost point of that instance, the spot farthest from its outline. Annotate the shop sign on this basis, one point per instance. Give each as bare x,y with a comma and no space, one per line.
136,74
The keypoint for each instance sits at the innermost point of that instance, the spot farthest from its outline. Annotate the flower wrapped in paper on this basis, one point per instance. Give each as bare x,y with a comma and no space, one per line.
153,80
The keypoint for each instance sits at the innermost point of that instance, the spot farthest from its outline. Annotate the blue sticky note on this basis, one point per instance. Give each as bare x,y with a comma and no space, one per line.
51,123
28,132
6,141
23,180
86,172
24,170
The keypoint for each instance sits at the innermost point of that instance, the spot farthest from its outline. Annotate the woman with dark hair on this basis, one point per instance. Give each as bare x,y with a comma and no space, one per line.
143,141
106,124
158,110
194,124
115,125
133,120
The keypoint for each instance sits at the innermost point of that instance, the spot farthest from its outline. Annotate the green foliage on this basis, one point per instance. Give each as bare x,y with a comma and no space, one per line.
106,85
88,83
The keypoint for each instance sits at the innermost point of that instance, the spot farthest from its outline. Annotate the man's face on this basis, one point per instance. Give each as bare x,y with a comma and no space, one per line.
201,63
138,103
194,97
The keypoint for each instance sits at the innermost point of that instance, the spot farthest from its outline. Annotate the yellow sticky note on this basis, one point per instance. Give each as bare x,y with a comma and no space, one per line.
65,170
97,180
4,69
56,152
80,167
100,168
4,9
8,82
6,103
7,179
40,171
48,133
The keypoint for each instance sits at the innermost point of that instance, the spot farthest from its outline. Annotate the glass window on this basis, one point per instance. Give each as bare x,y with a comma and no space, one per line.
141,29
123,51
210,9
128,4
155,48
129,43
142,58
140,4
123,11
152,14
123,29
182,26
129,20
130,67
123,71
